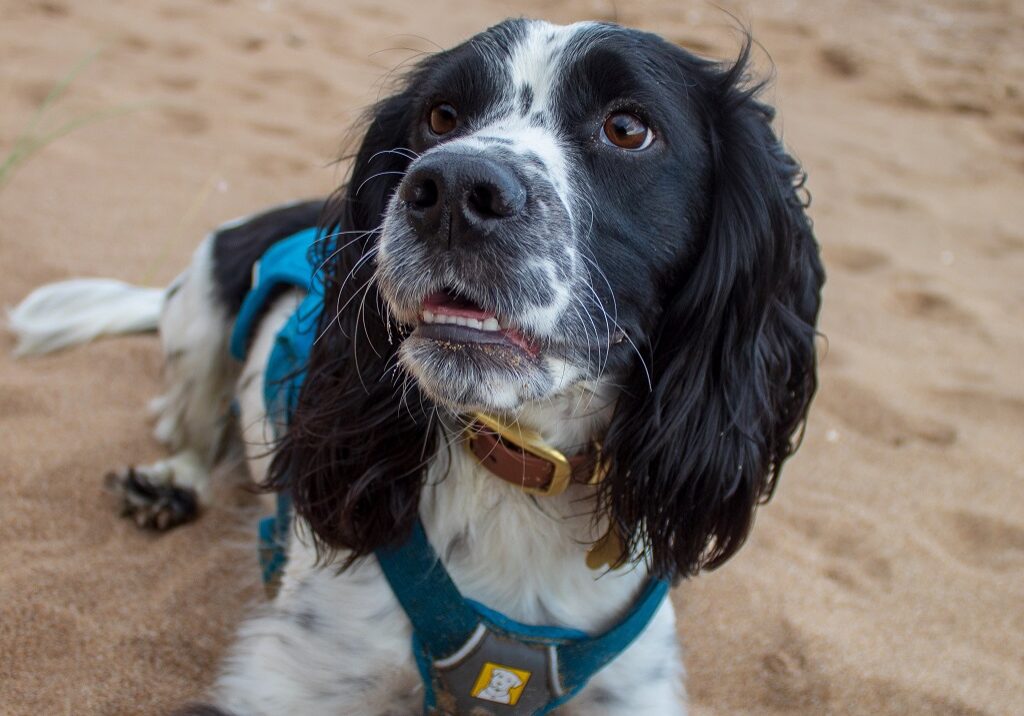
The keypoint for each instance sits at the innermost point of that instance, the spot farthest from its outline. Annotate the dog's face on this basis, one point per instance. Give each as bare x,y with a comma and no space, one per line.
502,681
554,186
543,206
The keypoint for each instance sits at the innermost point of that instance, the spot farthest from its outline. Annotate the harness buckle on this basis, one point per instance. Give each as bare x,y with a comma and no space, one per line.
529,441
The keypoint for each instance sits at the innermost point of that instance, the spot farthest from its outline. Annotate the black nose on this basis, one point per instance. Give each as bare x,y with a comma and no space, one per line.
474,193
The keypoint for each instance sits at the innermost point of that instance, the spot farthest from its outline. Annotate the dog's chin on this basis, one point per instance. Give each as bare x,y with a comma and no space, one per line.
467,375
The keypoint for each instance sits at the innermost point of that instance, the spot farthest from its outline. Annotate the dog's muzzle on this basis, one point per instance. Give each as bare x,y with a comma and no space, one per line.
453,197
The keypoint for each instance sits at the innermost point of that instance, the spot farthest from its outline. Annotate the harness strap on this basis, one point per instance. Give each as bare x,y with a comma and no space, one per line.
286,263
578,661
422,585
446,624
273,543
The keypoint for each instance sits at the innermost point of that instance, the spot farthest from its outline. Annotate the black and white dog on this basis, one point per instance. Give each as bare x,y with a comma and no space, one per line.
584,229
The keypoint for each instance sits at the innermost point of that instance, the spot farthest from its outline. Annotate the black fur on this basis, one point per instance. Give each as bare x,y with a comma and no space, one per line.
696,445
236,249
702,247
351,457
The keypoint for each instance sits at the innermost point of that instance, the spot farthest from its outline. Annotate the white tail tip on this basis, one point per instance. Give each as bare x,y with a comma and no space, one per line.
68,313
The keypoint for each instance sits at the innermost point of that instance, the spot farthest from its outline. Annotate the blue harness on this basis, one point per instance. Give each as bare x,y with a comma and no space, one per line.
472,660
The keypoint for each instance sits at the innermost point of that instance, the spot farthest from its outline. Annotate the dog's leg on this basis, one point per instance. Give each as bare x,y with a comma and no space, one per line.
328,643
163,494
194,415
198,372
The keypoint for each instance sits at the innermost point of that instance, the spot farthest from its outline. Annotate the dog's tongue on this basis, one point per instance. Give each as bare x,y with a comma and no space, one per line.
447,304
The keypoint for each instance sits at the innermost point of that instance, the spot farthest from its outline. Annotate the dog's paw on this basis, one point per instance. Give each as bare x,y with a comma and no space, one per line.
152,504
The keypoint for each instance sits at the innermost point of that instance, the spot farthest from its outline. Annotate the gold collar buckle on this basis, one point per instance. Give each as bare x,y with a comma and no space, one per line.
529,441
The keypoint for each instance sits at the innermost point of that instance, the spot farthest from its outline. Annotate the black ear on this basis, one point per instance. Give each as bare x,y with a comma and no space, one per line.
693,451
353,453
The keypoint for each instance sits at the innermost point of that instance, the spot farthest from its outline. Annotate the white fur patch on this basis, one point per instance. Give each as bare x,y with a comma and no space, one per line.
537,61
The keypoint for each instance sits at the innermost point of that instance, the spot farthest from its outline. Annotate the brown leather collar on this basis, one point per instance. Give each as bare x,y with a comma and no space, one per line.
521,457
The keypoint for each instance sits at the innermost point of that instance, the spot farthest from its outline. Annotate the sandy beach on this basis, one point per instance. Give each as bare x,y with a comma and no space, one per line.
887,575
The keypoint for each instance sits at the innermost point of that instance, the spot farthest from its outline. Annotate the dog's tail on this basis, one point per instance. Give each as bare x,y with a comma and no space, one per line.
68,313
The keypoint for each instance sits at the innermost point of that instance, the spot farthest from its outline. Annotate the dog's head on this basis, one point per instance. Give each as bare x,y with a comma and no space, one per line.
503,681
545,207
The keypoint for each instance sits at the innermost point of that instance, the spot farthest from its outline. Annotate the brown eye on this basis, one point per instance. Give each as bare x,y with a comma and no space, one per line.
443,118
626,131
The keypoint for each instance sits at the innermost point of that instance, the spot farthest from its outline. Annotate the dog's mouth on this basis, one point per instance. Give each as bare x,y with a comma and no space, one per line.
453,319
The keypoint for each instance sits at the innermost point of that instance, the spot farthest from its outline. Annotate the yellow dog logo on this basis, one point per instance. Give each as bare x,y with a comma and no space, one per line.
500,684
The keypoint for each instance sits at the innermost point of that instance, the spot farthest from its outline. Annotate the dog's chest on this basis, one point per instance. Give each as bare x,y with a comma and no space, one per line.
519,554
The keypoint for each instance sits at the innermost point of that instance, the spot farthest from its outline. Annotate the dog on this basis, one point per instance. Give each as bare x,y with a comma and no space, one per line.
583,230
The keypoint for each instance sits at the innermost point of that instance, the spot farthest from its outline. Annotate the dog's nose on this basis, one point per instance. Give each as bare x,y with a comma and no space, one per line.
475,193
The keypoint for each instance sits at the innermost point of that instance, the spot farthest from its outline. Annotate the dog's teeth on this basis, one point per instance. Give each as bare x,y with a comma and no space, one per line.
489,324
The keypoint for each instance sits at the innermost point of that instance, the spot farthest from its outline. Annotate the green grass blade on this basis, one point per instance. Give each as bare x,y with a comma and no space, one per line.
58,91
28,143
21,154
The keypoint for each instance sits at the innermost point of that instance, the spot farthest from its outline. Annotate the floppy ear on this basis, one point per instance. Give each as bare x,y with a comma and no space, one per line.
353,453
694,451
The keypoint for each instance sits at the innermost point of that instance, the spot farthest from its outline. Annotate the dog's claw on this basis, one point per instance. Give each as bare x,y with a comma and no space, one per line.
152,505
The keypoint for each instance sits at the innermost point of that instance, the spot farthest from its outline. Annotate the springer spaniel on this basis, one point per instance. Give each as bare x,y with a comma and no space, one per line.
584,230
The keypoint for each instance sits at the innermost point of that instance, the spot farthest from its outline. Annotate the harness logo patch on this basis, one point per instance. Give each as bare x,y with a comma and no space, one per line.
500,684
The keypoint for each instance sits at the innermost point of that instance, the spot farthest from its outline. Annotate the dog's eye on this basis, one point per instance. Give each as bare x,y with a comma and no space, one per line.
626,131
443,118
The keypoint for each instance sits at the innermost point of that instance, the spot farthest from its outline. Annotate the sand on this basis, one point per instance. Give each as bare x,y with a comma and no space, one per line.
885,577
